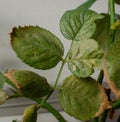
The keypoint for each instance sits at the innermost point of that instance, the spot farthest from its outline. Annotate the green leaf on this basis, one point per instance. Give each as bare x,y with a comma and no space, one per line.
86,5
82,98
84,56
3,96
70,22
117,33
37,47
30,114
102,33
112,67
29,83
78,24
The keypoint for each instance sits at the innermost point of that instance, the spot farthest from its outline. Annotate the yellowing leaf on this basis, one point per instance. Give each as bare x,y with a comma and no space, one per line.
84,56
112,67
29,83
82,98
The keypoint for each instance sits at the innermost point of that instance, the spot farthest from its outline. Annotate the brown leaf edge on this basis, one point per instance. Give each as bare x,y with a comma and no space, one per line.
10,76
105,104
15,29
110,83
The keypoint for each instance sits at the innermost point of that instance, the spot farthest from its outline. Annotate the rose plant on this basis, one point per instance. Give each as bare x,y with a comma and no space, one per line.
95,45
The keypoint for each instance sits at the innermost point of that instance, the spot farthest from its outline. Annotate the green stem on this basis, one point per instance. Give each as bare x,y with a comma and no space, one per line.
103,117
43,102
61,68
58,76
116,104
56,82
51,109
44,105
112,19
112,12
59,73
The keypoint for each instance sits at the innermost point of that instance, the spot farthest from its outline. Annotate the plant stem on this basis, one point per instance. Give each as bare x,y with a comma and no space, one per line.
58,76
112,12
61,68
43,102
112,19
116,104
51,109
59,73
56,82
103,117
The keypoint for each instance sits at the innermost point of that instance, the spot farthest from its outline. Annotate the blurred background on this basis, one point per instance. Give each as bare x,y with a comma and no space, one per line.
44,13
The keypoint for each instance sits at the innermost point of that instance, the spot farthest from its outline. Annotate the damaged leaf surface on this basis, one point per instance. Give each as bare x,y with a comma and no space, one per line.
112,67
29,83
82,98
84,57
37,47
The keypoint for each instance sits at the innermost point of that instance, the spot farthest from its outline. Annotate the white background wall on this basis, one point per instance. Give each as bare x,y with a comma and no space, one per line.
45,13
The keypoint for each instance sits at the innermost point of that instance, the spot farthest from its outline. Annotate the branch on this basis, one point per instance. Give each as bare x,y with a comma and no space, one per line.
51,109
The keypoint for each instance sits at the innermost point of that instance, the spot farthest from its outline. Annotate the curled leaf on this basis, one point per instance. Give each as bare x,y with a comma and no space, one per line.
37,47
29,83
83,98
